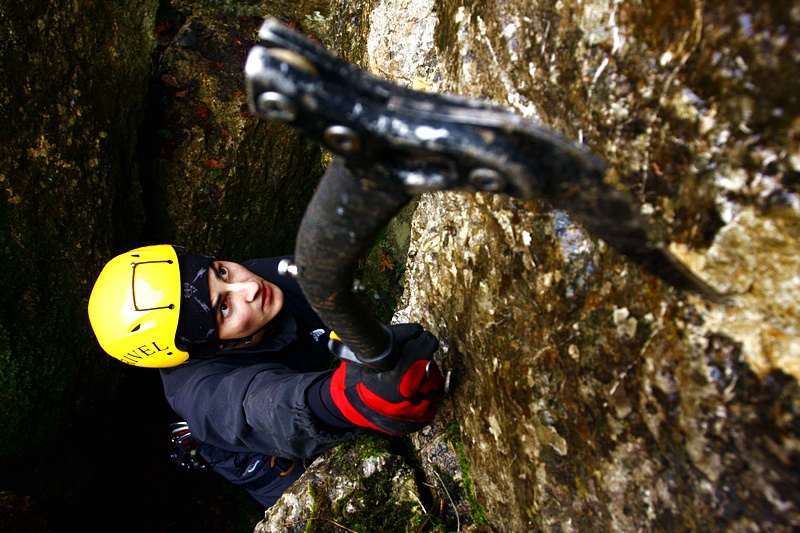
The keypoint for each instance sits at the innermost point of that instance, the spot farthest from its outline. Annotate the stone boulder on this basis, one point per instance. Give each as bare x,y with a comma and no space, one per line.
360,485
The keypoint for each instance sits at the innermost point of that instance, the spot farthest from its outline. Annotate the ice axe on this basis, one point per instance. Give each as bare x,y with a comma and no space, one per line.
391,143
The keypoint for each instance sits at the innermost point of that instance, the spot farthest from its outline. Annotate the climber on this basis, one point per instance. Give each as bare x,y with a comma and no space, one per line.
245,362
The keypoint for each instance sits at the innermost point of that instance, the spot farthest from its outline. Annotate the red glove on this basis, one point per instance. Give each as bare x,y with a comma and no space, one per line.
397,401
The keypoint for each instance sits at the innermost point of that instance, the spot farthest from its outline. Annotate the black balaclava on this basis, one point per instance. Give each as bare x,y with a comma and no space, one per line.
197,326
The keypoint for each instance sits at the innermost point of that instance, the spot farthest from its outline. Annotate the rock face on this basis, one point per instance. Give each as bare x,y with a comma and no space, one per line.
591,396
360,483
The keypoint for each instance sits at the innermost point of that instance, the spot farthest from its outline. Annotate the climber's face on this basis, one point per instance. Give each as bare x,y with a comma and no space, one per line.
243,302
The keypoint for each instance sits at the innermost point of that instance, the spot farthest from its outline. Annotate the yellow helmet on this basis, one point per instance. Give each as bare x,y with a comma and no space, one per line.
135,305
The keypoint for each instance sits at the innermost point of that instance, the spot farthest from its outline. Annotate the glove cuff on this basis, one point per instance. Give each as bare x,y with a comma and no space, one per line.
337,394
327,414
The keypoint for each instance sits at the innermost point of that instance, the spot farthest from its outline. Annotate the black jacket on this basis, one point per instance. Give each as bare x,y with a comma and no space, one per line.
254,399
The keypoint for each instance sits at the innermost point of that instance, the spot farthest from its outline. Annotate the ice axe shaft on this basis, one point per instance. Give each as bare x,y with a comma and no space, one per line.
341,221
391,143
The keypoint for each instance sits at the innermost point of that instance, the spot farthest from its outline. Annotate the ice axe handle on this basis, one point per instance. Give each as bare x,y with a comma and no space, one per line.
340,222
390,143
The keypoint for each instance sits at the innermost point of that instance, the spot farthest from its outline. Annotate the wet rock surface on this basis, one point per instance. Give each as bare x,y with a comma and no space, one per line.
592,396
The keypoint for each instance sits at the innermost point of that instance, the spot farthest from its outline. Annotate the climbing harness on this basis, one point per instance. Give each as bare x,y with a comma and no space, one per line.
186,454
391,143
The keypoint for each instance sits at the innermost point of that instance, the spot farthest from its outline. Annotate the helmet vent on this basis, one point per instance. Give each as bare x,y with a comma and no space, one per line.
136,328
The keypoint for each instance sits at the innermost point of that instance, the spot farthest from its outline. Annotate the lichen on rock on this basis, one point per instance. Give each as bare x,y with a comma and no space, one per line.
361,486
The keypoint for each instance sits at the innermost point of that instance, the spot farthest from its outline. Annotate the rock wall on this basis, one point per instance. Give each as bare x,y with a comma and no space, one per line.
362,483
592,396
74,80
589,395
223,183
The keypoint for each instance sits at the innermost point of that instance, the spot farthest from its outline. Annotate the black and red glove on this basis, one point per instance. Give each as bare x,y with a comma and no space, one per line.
398,401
